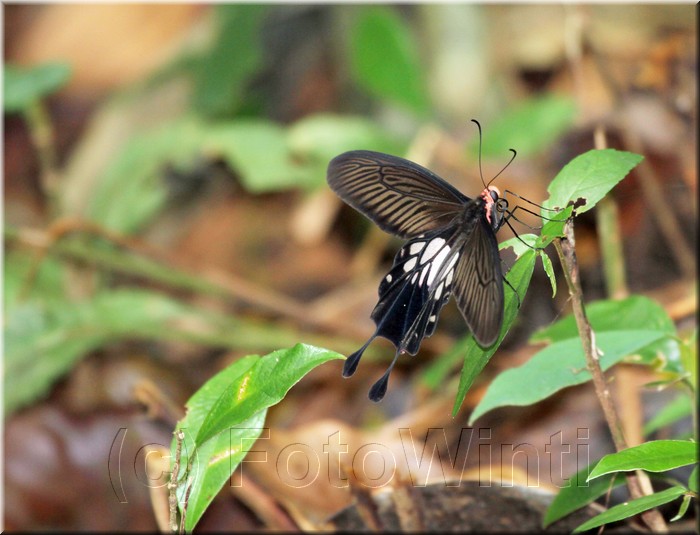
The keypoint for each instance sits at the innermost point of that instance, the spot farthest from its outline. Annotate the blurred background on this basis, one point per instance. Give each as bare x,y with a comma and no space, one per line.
166,212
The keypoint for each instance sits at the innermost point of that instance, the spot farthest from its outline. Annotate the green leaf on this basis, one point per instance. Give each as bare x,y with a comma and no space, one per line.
200,403
259,152
589,177
633,313
222,75
653,456
215,462
683,509
130,191
631,508
23,87
693,480
579,493
227,414
317,139
680,407
530,127
520,244
476,357
558,366
384,58
553,226
262,386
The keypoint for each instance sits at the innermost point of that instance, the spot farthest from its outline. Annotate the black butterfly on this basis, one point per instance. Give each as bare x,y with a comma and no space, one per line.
452,248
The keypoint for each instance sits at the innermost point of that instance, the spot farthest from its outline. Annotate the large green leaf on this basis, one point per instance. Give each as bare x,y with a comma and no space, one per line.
384,58
589,177
653,456
633,313
558,366
262,386
227,414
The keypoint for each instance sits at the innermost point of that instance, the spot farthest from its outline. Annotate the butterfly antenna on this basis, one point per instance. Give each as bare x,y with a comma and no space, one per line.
481,174
504,167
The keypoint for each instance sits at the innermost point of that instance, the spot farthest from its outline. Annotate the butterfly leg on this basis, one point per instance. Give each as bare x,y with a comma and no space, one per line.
514,290
376,393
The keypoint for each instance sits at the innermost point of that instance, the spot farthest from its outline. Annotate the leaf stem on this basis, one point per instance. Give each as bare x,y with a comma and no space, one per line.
172,485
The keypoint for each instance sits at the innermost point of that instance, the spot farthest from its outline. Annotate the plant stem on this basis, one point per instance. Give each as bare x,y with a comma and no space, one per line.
172,485
567,255
42,134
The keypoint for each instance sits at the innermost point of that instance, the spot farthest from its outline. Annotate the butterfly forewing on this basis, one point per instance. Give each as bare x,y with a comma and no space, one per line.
400,196
478,284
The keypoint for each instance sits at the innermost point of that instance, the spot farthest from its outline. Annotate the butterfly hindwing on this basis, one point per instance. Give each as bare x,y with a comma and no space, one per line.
400,196
414,291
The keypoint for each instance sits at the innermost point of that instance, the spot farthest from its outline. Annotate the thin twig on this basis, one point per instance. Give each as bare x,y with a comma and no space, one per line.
567,255
266,508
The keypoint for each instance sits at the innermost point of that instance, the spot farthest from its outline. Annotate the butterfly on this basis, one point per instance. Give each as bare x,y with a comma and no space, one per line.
451,250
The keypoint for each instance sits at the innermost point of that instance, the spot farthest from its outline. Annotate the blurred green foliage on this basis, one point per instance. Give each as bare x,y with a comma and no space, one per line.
23,87
384,59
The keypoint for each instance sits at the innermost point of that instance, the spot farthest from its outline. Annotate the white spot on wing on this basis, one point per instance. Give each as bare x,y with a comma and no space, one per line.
424,272
453,261
437,262
416,248
389,278
433,247
410,264
438,292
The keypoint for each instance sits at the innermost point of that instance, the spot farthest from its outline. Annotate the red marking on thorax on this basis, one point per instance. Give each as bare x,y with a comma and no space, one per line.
488,200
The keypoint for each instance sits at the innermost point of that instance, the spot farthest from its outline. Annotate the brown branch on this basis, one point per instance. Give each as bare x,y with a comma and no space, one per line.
567,255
